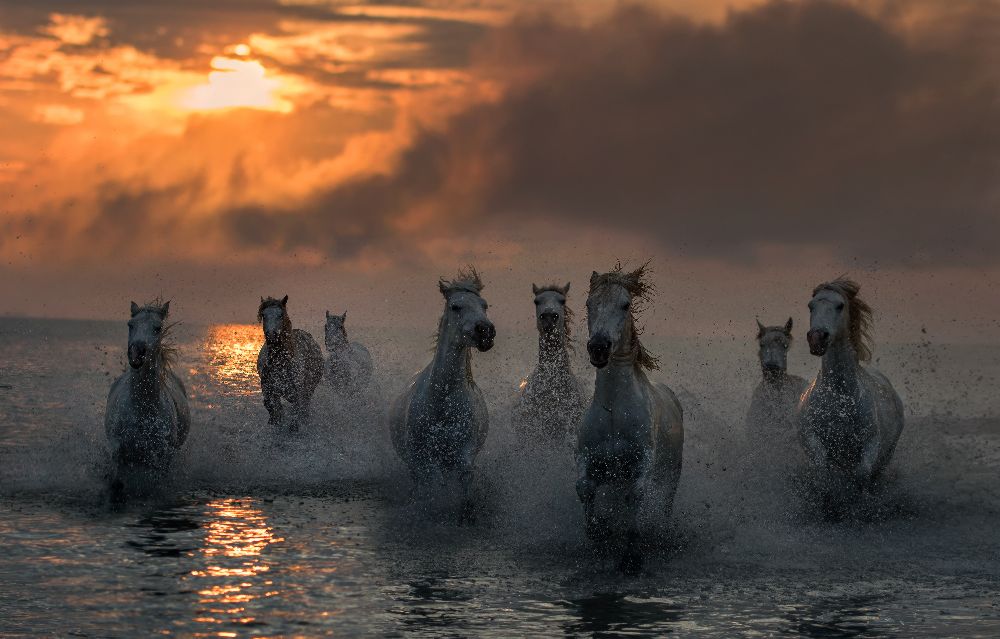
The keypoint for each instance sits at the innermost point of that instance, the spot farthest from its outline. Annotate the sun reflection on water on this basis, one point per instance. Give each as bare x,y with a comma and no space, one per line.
232,357
234,577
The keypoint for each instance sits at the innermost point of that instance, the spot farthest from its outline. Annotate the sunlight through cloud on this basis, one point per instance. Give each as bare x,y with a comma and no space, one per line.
237,83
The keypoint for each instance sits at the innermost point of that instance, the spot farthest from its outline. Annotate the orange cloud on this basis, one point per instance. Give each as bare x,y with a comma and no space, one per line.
74,29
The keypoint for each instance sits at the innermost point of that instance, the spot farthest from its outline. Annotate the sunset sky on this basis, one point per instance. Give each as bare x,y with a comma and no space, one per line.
348,153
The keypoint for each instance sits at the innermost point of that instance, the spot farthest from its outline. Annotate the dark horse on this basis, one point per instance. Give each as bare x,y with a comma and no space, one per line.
290,364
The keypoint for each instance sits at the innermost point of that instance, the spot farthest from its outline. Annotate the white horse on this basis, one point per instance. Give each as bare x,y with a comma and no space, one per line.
290,364
772,410
348,364
850,417
631,440
147,417
549,402
440,422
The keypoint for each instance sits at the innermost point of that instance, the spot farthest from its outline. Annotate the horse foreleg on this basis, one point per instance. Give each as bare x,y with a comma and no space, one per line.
632,559
272,402
464,467
586,490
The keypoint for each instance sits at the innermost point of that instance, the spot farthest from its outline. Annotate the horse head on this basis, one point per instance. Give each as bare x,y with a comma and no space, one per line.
465,311
273,316
773,343
335,331
551,313
836,314
145,332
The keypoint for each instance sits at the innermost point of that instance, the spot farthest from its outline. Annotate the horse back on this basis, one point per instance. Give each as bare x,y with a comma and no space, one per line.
668,424
312,357
178,398
888,409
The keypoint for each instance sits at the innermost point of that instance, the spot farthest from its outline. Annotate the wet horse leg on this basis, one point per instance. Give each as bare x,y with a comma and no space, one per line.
631,562
586,490
466,459
272,402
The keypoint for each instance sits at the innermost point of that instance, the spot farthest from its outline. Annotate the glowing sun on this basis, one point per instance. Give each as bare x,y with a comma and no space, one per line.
235,83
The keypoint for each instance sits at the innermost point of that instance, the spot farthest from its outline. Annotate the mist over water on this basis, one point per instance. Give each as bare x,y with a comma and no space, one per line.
264,534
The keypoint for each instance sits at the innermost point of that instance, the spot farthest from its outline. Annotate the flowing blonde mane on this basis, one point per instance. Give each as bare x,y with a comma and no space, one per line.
861,313
641,292
564,291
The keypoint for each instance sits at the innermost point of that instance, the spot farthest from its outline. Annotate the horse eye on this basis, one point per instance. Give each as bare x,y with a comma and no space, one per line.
157,329
562,302
537,302
625,306
456,307
840,306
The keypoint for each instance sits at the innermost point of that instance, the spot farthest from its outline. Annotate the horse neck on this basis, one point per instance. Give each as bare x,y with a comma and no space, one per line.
776,381
552,350
839,367
622,371
285,348
338,345
145,381
452,360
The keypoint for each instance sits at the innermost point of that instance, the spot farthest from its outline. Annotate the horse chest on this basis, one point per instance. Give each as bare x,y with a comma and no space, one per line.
840,421
615,439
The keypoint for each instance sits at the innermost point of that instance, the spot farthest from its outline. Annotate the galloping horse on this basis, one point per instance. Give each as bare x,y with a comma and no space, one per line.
772,409
348,364
290,364
549,400
850,417
440,422
147,416
631,440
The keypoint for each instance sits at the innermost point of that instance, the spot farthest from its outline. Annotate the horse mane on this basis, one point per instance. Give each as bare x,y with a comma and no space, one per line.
564,291
861,315
467,280
641,291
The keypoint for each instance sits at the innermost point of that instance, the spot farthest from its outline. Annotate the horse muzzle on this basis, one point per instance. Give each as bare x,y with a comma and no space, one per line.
548,321
136,355
818,341
599,349
485,335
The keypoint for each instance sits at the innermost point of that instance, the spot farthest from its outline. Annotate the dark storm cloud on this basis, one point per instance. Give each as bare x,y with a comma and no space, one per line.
805,124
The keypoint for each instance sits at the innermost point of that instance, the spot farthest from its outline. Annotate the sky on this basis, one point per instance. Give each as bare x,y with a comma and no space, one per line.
348,154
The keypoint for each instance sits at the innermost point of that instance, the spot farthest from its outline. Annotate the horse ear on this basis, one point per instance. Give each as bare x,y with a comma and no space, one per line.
534,289
343,317
261,299
328,316
593,277
760,330
284,301
165,309
566,288
443,287
134,309
788,326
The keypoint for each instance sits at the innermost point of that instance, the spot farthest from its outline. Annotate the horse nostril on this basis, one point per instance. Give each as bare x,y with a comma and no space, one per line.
549,316
486,331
